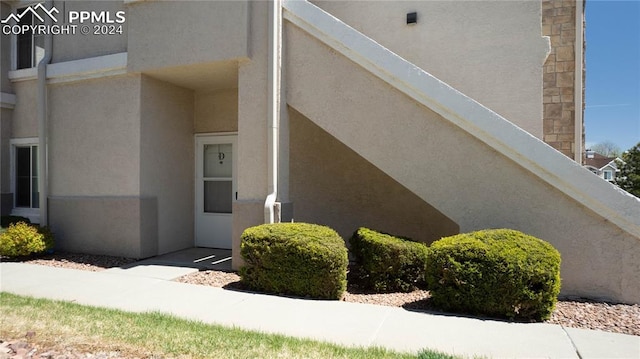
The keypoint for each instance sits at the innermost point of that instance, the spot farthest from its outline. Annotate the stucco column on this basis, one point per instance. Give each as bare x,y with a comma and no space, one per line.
285,212
248,210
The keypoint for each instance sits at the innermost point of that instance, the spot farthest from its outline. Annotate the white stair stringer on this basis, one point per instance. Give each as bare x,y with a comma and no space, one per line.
479,169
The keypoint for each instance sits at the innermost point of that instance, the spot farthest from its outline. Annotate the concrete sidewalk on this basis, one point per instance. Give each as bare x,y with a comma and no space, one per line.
144,288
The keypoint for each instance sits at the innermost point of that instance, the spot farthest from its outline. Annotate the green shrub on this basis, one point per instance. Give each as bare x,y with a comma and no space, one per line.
499,273
294,258
385,263
6,221
47,237
21,239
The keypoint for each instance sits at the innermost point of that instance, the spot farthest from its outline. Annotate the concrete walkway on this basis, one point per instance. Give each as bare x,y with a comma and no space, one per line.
148,287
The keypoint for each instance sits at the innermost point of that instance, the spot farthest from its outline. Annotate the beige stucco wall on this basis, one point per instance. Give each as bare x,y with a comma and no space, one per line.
166,160
6,197
252,130
216,111
95,179
127,160
168,33
5,137
485,190
94,137
246,213
117,226
80,46
334,186
492,51
25,121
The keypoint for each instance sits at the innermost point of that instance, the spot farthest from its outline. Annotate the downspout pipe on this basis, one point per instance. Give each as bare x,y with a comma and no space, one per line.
43,182
273,107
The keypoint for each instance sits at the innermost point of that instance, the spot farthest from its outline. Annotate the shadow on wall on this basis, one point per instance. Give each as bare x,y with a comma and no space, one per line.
330,184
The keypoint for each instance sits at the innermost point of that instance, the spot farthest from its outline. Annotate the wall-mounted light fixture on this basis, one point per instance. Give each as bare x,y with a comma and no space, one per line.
412,18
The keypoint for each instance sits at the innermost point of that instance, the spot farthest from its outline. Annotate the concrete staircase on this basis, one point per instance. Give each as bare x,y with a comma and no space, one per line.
474,166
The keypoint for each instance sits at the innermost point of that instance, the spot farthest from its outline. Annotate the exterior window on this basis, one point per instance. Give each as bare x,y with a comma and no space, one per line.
608,175
30,47
26,177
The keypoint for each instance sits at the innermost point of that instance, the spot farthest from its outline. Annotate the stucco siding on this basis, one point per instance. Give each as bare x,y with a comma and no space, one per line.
415,146
77,46
252,111
25,121
94,137
117,226
166,160
168,33
245,214
252,131
5,138
334,186
492,51
6,197
216,111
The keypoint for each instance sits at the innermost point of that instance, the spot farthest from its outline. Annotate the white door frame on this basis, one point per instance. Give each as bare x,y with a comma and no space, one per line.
200,141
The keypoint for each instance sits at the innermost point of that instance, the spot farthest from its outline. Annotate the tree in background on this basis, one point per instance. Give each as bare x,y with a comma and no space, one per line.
607,149
629,178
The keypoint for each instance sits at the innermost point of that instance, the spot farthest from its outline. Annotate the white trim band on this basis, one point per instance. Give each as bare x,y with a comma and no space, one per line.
76,70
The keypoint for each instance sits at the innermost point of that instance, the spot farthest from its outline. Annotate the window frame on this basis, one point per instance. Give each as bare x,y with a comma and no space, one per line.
609,172
14,38
33,213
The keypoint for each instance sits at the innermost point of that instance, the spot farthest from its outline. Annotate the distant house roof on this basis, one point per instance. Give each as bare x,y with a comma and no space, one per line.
598,161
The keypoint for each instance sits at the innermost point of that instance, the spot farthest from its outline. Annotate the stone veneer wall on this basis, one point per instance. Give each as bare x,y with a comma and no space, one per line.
559,119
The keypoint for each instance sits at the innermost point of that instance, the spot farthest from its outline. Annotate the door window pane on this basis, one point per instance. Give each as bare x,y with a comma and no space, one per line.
217,196
218,160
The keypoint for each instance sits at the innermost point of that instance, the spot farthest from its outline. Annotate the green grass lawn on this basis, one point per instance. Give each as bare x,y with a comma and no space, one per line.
59,324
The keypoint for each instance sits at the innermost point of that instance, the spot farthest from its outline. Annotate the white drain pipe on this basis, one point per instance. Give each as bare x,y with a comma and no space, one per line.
43,181
273,104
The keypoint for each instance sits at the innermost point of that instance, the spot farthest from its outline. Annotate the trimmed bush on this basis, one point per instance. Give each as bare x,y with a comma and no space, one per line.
298,259
499,273
385,263
47,237
22,239
6,221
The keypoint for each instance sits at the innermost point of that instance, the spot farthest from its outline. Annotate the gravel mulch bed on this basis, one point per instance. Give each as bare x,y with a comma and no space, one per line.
578,313
89,262
609,317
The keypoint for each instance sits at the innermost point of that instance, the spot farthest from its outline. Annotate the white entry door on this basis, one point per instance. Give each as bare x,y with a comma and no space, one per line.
215,190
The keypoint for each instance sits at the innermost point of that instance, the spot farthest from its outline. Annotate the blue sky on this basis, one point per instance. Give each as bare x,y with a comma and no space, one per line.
612,110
